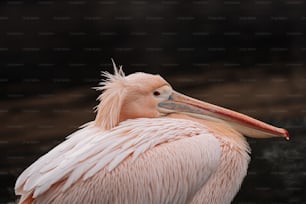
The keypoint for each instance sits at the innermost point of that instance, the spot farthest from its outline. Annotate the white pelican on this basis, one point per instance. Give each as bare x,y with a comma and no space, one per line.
148,144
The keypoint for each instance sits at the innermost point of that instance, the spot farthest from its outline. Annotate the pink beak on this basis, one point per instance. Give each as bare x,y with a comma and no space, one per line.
179,103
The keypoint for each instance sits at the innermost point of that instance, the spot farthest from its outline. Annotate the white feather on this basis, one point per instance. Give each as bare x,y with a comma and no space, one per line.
99,165
91,149
119,158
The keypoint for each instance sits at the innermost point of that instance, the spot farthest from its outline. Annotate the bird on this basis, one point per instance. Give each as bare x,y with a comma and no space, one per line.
147,144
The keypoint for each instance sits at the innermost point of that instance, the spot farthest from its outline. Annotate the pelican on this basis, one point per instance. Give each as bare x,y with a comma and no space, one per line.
147,144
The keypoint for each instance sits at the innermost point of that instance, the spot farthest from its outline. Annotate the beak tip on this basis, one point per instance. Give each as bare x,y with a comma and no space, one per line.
286,134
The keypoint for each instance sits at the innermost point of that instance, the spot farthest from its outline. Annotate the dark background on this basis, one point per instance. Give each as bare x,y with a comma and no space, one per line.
245,55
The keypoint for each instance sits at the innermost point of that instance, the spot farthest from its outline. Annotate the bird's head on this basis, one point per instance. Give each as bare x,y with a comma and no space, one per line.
142,95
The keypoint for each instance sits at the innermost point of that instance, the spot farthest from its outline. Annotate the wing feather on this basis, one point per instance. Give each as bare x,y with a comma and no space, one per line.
91,149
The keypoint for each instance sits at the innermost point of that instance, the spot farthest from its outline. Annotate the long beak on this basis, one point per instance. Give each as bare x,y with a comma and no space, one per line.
179,103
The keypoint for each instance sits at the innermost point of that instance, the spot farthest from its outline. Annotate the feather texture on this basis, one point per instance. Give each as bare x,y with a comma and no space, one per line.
91,149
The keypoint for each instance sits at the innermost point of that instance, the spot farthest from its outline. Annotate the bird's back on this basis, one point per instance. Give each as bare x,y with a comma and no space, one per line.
168,162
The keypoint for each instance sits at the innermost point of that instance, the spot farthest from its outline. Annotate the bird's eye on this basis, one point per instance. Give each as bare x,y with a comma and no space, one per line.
156,93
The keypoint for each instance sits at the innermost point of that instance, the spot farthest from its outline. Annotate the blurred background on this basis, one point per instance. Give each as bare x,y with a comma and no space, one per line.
245,55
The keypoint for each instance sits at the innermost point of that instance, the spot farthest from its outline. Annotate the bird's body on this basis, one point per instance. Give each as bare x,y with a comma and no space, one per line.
151,158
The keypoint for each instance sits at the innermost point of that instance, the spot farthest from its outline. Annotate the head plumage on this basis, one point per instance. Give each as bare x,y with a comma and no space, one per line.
118,76
119,91
108,111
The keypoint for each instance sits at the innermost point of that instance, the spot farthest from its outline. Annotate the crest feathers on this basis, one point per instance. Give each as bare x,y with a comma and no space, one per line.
112,98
